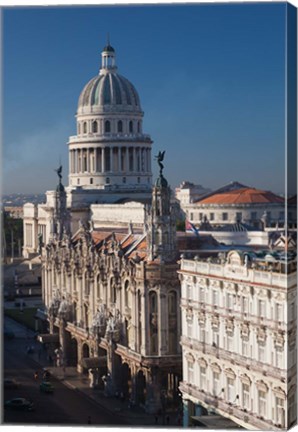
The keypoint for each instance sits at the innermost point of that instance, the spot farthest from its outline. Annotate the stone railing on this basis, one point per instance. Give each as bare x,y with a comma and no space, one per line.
245,362
238,274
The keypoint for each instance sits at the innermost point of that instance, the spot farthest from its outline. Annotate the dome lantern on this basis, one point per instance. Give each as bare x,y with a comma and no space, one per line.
108,59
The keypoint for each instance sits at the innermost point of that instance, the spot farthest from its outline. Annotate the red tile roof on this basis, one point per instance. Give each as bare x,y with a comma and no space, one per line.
242,196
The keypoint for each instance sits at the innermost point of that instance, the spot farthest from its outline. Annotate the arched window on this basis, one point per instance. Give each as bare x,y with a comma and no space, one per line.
139,127
94,126
113,290
120,126
124,179
108,180
84,127
79,128
126,293
78,181
98,287
91,180
107,126
131,126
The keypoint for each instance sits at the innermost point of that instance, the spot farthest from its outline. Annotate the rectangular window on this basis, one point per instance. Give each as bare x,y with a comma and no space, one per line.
238,216
262,403
216,385
281,215
215,297
215,338
189,328
189,292
191,216
202,295
190,374
279,359
280,411
244,305
253,216
231,389
203,378
224,216
262,309
245,348
261,351
211,216
278,312
230,301
246,396
230,343
202,335
201,216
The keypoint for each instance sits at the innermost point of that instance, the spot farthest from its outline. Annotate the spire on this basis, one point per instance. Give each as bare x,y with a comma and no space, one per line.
108,58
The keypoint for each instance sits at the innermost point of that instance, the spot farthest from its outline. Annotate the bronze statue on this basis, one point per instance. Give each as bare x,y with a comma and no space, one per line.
59,171
160,158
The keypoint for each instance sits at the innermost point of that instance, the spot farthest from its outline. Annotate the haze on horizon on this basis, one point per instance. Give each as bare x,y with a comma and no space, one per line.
211,80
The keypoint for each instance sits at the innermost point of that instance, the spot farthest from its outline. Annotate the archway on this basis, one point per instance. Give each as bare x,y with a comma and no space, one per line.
140,388
85,354
126,380
73,353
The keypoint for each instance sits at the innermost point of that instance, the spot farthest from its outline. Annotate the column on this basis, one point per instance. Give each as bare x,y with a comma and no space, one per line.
111,159
95,159
134,159
88,159
119,160
103,160
126,168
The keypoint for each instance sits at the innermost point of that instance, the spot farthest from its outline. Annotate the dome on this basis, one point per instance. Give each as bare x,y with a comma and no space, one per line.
109,90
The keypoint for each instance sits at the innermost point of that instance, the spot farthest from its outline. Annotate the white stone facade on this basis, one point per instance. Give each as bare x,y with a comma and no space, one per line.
239,341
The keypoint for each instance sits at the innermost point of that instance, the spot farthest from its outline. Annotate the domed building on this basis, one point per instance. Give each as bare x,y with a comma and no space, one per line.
110,178
110,151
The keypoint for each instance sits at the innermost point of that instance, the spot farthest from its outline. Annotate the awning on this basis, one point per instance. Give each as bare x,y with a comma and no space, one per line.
48,338
94,362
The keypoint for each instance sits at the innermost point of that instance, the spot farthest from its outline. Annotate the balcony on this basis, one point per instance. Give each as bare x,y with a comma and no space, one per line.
226,409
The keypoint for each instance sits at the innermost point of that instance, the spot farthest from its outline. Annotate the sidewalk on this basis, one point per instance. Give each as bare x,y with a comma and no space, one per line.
135,416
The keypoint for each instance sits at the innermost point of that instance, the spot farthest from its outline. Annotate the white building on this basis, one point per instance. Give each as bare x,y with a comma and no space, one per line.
109,159
188,193
239,339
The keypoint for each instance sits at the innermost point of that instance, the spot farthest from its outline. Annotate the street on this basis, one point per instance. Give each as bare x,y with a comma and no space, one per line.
64,406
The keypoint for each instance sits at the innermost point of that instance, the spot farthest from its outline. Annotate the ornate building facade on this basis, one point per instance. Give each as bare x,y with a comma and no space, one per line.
239,339
112,301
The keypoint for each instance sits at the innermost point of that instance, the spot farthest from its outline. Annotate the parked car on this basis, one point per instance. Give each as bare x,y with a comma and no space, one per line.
46,387
19,404
10,383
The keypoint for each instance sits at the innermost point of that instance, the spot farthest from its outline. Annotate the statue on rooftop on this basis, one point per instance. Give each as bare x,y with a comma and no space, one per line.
59,171
160,158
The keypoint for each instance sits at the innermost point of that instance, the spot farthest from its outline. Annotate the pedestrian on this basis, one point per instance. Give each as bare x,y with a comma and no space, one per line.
89,420
36,375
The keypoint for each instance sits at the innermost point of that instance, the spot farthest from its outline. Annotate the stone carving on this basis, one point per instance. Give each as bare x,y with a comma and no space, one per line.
64,309
100,321
113,330
54,306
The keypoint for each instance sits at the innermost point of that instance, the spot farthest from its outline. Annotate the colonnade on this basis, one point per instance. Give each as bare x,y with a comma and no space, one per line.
112,159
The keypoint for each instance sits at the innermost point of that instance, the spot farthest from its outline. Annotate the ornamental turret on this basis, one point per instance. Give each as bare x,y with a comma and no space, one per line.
161,220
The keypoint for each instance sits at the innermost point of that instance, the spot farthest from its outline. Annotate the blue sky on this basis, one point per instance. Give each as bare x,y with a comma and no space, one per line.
210,78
